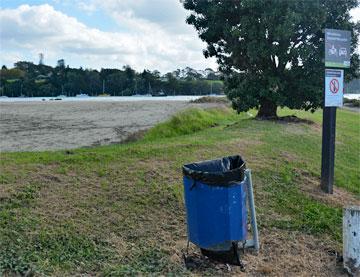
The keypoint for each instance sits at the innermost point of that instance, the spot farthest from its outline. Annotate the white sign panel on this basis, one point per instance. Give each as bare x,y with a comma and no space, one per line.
334,87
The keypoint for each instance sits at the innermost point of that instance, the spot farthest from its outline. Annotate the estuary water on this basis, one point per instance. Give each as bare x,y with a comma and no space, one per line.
123,98
102,99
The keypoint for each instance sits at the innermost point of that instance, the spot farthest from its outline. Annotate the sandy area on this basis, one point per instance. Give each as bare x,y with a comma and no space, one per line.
33,126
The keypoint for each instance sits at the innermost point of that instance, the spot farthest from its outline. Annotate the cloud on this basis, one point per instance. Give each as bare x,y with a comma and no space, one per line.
147,42
355,14
164,14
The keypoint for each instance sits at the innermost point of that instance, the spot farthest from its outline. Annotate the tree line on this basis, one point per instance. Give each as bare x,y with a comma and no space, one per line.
40,80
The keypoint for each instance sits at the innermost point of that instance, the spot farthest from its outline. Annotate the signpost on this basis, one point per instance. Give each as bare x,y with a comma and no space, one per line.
337,55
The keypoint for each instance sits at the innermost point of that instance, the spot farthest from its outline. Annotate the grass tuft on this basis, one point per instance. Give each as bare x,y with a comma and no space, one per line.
190,121
212,99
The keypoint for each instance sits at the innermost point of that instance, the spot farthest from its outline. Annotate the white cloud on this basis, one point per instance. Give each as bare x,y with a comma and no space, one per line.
147,44
165,14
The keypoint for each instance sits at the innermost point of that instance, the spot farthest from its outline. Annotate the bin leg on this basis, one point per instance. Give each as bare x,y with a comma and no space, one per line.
255,241
236,254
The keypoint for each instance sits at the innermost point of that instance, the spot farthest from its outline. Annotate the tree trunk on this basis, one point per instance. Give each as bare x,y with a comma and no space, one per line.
267,109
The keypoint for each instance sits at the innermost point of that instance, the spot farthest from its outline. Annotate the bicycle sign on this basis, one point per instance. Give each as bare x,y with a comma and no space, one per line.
334,79
337,48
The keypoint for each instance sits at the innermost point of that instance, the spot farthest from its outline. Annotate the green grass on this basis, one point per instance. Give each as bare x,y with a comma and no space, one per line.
300,211
188,122
215,81
118,210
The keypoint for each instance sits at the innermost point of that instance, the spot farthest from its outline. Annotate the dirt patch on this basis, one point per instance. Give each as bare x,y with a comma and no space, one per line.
340,197
236,145
311,186
285,253
282,253
6,193
287,119
290,157
132,137
317,127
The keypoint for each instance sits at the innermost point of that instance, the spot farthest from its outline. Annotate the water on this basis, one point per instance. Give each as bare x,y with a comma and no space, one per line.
352,96
102,99
123,98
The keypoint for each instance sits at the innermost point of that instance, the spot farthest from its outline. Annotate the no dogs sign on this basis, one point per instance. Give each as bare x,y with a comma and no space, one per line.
334,86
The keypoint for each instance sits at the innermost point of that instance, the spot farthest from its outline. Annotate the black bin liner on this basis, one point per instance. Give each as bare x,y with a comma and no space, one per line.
221,172
230,256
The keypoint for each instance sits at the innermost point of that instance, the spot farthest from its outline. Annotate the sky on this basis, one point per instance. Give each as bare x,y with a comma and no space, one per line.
101,34
145,34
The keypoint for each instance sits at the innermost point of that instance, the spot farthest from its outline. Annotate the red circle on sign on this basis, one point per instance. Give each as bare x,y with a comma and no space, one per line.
334,86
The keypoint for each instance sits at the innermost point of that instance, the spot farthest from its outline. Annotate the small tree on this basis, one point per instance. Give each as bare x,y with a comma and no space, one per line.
272,51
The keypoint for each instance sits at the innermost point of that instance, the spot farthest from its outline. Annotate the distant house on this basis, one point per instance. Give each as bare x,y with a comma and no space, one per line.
42,78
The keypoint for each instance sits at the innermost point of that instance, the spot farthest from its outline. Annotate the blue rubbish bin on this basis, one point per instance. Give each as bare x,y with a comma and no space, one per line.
215,200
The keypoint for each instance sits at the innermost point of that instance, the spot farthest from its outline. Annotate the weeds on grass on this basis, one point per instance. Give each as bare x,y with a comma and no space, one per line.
6,179
150,261
300,212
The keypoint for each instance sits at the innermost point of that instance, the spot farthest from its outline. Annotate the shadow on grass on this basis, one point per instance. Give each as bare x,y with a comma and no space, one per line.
286,119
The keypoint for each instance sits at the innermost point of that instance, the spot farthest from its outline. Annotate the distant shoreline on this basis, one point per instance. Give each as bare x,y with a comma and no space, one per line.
124,98
105,98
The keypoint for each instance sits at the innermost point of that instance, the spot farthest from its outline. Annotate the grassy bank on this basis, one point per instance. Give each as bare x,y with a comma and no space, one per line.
118,210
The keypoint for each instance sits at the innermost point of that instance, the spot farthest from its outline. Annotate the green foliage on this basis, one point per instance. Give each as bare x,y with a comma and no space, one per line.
304,213
352,102
272,51
11,74
187,122
42,80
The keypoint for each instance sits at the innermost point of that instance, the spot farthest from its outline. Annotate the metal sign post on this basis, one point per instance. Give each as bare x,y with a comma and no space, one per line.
337,55
328,149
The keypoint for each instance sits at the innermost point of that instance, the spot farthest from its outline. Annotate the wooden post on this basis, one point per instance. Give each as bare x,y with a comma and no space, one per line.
351,240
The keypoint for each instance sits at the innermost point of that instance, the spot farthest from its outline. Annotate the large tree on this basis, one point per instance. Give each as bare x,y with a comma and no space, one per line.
272,51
